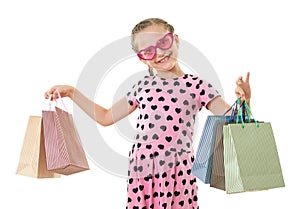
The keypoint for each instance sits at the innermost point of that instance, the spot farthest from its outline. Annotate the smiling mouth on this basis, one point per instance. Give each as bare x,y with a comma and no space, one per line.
164,59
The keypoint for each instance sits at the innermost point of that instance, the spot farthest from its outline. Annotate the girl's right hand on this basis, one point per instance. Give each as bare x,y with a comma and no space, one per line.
64,91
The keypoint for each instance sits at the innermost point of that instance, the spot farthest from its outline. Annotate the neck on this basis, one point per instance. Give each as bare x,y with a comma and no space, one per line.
172,73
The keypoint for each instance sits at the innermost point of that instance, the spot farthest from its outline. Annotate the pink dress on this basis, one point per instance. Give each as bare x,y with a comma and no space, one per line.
160,162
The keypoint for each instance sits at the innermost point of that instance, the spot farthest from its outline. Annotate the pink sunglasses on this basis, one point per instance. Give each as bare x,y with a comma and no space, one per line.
150,52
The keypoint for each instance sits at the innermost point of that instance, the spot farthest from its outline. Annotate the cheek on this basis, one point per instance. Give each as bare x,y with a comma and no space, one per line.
143,61
174,51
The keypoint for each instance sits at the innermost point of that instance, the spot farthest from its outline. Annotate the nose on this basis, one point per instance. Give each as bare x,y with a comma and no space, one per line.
160,53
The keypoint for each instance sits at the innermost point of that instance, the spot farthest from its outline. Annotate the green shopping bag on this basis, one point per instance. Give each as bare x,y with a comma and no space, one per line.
251,159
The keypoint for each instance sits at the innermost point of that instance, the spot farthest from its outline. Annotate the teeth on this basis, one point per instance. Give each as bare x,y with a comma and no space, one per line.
163,60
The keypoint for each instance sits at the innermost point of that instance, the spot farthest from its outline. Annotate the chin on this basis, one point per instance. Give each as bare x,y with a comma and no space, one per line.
168,66
166,69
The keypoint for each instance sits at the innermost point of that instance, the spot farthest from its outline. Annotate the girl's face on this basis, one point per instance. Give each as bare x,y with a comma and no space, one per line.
156,39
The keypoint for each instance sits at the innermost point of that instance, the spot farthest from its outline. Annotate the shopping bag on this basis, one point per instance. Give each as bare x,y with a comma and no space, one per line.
32,160
251,159
218,170
202,165
64,151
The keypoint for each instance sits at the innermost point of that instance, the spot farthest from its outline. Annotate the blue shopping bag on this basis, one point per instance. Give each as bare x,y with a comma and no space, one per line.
202,166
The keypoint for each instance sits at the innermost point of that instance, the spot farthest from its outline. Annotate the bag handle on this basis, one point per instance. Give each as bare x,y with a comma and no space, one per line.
249,113
56,104
241,109
232,108
239,113
61,100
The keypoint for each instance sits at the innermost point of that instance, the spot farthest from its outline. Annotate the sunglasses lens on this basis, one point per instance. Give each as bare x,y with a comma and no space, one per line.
166,42
147,54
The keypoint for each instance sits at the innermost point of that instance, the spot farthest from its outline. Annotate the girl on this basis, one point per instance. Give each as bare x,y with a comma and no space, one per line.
159,174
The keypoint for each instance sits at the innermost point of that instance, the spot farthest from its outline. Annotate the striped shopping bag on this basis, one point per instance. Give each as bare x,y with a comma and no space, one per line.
202,166
218,170
251,159
64,152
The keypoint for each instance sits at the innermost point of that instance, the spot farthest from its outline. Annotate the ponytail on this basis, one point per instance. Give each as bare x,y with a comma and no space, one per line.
150,70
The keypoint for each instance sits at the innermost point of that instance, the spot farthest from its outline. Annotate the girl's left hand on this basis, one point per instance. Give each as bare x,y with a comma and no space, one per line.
243,89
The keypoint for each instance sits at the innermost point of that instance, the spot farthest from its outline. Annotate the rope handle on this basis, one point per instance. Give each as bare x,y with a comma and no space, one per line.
56,103
249,113
241,108
239,113
232,108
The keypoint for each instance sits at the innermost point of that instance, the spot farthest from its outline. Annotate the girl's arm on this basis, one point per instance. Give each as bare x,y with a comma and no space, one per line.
218,106
101,115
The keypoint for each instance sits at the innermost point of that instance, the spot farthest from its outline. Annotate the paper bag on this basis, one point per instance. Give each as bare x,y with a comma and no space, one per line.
64,152
202,166
218,170
250,158
32,160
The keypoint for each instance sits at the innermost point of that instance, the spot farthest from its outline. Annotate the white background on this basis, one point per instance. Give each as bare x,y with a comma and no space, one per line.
43,43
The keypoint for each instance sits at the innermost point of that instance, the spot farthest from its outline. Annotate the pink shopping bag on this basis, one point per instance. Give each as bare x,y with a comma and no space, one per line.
64,151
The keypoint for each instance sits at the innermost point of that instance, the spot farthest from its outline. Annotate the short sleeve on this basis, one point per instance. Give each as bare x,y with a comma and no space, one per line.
206,93
132,94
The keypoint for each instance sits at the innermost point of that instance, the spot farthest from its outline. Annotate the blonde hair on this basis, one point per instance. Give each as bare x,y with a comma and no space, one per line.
144,24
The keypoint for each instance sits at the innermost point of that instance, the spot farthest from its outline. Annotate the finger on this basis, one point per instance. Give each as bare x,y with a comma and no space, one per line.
239,81
240,92
247,77
54,95
47,94
240,78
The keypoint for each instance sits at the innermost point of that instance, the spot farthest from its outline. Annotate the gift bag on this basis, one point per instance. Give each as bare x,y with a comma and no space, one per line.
32,160
64,152
218,170
202,165
251,159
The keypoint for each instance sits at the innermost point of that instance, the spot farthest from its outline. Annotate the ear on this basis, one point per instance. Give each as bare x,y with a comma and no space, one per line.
176,39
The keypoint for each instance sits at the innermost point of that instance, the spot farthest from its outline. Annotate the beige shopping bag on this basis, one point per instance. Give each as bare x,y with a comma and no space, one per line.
32,160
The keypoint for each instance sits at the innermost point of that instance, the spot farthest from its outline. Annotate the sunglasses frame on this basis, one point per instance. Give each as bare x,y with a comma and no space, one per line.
139,54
